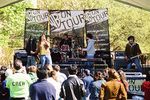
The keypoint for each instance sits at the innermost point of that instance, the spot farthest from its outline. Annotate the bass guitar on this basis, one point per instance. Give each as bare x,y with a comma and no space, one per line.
131,59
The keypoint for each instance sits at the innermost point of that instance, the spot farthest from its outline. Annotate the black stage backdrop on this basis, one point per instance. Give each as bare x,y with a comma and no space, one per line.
96,23
75,23
69,22
36,23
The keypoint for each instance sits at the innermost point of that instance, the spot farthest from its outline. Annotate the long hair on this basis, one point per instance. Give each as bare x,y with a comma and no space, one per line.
53,75
41,37
112,74
98,76
123,78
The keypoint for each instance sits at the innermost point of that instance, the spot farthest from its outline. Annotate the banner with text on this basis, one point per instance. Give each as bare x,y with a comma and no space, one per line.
36,23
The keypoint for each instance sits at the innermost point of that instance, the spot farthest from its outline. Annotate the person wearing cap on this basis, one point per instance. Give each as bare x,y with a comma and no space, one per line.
87,81
18,83
133,49
31,46
6,91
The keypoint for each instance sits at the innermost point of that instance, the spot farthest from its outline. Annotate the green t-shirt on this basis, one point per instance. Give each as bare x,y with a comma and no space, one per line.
19,85
33,76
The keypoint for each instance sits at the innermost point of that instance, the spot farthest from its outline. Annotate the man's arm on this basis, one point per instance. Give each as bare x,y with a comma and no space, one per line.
101,93
82,86
88,47
62,94
123,92
38,50
8,83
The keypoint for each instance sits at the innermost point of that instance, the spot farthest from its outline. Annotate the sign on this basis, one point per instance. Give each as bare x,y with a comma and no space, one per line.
69,22
135,84
97,24
66,20
36,24
75,23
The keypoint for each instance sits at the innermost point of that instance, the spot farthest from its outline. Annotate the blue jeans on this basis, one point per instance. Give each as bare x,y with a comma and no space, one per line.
30,61
45,59
89,64
136,61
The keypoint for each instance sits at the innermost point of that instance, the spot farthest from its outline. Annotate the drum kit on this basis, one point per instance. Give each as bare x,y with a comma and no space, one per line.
59,55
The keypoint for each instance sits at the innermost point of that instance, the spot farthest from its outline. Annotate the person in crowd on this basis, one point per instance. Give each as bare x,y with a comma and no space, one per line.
90,50
95,86
49,67
87,81
132,49
18,83
1,73
41,89
112,89
43,49
3,69
61,76
32,73
54,81
106,73
5,91
31,46
123,79
146,86
72,88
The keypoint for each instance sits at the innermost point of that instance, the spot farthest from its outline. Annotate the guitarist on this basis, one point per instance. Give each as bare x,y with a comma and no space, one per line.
133,49
31,46
90,50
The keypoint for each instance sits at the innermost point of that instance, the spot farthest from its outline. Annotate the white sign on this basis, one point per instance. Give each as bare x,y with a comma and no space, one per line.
36,16
135,84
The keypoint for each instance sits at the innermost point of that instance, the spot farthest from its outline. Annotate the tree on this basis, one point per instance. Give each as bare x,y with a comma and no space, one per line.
12,19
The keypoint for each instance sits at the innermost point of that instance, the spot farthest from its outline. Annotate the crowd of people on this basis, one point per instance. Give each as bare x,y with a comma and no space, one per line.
48,83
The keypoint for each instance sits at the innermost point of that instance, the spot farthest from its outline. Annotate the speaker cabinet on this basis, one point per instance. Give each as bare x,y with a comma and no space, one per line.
120,63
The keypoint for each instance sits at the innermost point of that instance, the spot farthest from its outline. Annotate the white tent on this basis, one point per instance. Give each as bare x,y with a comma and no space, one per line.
142,4
4,3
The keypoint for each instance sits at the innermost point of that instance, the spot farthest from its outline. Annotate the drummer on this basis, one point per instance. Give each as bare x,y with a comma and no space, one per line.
66,41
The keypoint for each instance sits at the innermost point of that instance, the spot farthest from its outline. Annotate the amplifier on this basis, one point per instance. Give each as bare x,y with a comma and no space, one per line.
120,63
21,55
119,55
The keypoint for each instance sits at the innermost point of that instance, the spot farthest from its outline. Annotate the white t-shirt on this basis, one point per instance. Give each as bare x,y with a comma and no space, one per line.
56,85
61,77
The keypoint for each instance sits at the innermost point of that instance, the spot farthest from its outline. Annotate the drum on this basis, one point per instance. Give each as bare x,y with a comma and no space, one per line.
56,57
65,48
54,50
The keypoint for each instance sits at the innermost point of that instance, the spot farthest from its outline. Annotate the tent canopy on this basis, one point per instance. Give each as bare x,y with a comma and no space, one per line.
142,4
4,3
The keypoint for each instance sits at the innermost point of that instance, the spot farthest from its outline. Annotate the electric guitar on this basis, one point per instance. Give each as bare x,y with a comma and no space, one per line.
129,60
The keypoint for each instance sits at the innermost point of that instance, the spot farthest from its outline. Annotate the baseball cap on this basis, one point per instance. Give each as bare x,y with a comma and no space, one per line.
87,71
8,72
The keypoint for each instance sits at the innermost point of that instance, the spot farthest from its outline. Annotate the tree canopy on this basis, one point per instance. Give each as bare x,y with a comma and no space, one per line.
124,20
